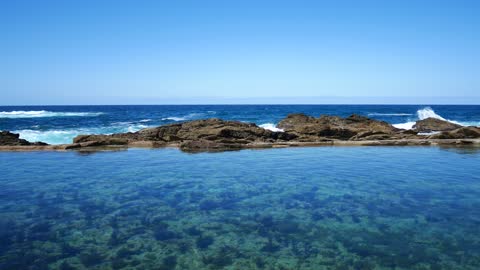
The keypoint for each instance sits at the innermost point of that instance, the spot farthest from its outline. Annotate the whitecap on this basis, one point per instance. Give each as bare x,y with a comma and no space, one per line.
173,118
428,112
189,116
271,126
43,113
135,128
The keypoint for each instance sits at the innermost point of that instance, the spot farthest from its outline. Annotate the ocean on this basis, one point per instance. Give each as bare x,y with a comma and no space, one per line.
60,124
348,207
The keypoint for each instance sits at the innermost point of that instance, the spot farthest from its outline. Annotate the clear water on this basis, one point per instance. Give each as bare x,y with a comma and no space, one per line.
296,208
60,124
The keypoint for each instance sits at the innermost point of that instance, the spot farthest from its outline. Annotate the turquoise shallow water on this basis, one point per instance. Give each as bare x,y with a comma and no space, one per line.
296,208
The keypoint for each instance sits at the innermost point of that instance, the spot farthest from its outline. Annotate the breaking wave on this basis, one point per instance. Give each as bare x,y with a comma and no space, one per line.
271,127
190,116
430,113
173,118
38,114
65,136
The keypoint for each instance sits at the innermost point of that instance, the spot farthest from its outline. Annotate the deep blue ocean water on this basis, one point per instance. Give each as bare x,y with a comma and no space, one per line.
60,124
298,208
293,208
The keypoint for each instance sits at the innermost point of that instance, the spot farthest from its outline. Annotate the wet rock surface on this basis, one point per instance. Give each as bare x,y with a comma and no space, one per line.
298,130
434,124
354,127
8,138
459,133
210,134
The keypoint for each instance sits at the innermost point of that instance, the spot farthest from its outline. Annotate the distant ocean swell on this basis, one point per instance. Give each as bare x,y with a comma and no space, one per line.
38,114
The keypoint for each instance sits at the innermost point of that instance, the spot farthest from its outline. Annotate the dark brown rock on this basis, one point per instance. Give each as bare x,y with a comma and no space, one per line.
300,130
209,133
101,140
204,145
459,133
354,127
9,139
434,124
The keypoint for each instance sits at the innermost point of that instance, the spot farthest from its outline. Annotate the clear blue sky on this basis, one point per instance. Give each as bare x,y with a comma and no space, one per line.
128,52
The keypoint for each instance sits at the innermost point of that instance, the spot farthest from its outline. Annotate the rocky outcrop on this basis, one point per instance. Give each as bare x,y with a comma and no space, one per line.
459,133
8,138
299,130
209,134
434,124
354,127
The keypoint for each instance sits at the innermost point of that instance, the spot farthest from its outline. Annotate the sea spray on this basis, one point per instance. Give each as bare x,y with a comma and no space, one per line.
428,112
271,126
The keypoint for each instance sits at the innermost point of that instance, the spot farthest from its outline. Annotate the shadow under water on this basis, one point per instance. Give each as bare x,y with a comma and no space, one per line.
296,208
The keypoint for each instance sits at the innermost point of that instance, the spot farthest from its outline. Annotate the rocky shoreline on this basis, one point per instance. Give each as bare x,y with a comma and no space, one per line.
298,130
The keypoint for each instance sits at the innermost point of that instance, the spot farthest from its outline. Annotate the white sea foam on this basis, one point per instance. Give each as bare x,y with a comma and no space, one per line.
38,114
49,136
271,127
407,125
66,135
188,116
145,120
428,112
173,118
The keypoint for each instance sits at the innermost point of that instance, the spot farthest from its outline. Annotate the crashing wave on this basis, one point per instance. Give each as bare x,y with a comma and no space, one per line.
428,112
271,127
65,136
43,113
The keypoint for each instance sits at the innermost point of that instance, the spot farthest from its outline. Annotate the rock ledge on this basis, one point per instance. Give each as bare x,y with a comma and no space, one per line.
299,130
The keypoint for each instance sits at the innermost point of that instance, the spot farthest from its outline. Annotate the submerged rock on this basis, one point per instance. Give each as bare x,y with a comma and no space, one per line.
434,124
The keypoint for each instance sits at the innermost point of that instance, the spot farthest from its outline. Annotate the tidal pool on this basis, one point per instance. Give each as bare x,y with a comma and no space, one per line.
295,208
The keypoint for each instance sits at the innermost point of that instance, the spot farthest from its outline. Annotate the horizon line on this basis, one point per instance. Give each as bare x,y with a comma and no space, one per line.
248,104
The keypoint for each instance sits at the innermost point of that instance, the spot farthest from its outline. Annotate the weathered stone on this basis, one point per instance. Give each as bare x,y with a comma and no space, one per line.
353,127
204,145
459,133
8,138
300,130
434,124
